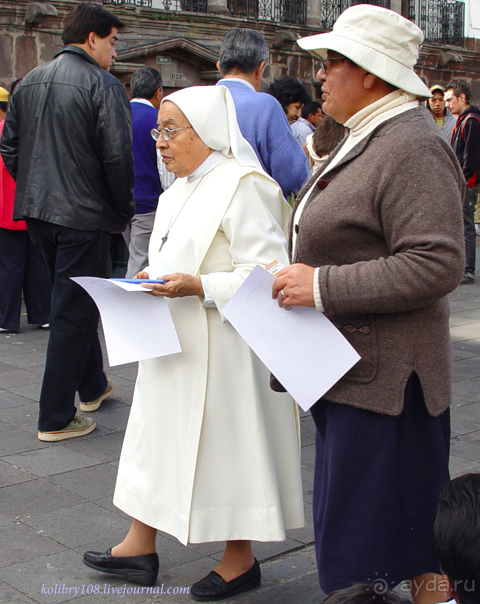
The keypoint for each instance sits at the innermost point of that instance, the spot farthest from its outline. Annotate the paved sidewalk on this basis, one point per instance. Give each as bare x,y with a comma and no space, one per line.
55,499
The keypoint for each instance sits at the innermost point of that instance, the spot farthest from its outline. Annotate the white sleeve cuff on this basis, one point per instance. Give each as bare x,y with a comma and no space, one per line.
207,292
316,291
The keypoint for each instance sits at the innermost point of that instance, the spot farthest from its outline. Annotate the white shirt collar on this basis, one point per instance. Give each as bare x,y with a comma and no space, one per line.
237,80
144,101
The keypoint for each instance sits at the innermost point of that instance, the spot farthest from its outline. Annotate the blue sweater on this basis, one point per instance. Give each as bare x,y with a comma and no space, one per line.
264,125
147,181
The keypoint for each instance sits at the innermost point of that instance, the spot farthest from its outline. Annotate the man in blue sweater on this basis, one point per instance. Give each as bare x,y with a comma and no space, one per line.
262,121
146,90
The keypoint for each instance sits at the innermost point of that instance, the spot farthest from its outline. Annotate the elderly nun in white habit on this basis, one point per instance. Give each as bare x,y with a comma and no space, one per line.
211,453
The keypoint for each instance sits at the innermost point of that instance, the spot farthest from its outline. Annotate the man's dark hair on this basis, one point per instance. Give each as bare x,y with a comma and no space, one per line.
86,18
327,135
3,106
145,82
310,108
460,87
243,49
457,536
363,593
288,90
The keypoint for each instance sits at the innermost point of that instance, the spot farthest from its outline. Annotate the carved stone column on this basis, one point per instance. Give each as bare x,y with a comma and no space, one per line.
314,13
218,7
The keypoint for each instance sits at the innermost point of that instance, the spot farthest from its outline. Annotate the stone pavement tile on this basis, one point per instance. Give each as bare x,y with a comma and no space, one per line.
17,441
114,419
10,475
28,359
460,352
5,521
91,483
466,447
35,498
10,399
307,427
17,377
21,415
469,389
47,571
462,422
78,525
459,466
124,393
128,372
104,449
20,543
462,318
107,503
472,409
466,369
11,595
472,346
465,332
6,366
5,426
50,460
458,400
465,304
116,592
31,391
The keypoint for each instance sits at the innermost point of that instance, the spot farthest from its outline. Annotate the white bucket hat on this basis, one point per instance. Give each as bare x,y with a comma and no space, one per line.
378,40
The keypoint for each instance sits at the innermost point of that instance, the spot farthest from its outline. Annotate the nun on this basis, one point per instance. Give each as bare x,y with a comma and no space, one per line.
211,453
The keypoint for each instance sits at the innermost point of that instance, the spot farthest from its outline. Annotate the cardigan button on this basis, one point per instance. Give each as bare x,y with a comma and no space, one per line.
297,228
322,184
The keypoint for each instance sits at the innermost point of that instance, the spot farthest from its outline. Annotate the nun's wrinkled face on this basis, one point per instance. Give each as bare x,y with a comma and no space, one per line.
185,151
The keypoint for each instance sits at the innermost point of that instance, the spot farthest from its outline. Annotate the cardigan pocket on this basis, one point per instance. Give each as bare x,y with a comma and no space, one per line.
361,333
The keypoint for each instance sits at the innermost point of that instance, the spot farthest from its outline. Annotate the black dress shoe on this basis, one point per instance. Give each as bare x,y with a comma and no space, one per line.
213,587
139,569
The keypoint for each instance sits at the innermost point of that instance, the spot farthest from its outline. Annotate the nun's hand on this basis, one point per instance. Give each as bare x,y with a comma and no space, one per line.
294,286
177,285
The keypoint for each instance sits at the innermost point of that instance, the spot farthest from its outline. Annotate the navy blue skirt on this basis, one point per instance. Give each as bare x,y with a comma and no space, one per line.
376,488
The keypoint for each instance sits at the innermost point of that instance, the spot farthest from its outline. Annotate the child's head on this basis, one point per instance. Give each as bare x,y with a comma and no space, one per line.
457,536
363,593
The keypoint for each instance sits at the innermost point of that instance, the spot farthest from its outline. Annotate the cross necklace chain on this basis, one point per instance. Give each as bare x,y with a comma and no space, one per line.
173,220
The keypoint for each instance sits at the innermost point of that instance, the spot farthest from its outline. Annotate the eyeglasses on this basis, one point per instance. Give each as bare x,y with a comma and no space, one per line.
325,63
166,133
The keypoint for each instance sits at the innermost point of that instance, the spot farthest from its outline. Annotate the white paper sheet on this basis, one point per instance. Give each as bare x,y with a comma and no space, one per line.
301,347
136,326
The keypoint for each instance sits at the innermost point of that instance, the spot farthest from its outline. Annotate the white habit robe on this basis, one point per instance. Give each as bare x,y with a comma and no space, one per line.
211,453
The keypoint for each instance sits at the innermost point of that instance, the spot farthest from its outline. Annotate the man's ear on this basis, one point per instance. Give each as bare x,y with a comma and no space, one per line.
463,98
369,80
92,40
218,67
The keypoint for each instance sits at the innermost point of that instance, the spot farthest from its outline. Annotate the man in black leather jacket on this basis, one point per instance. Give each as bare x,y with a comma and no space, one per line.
67,143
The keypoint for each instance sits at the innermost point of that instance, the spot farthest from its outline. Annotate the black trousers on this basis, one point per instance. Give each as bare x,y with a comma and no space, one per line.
469,228
74,357
22,268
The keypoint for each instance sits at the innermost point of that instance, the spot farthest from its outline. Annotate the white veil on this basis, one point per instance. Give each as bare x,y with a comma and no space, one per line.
211,112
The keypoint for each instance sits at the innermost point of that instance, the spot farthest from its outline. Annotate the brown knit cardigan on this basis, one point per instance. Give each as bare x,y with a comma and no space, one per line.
385,227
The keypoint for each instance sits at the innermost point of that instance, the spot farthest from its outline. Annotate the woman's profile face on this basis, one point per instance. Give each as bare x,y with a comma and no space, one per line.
185,151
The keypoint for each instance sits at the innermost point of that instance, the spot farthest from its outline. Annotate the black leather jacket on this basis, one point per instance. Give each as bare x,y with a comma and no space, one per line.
67,141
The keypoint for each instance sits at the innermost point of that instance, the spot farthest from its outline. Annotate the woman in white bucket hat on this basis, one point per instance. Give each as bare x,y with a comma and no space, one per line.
376,244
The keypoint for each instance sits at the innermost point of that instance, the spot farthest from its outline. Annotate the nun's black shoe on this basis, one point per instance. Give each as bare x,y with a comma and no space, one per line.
139,569
213,587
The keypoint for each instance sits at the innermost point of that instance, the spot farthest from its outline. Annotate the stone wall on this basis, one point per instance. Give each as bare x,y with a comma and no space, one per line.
23,46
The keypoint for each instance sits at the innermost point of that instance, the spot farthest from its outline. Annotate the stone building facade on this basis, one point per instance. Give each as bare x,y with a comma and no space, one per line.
181,38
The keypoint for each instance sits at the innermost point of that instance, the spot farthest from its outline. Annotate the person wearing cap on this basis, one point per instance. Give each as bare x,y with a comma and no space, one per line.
3,103
376,244
442,116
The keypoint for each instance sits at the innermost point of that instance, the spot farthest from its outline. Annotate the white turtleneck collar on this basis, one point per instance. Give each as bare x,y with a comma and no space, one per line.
367,119
212,161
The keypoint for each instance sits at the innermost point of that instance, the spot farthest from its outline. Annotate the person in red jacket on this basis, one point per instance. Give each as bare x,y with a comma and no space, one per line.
21,266
466,144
